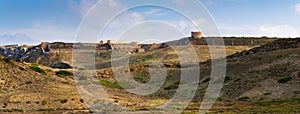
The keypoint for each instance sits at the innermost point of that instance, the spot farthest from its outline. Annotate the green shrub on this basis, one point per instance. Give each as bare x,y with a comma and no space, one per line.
170,87
109,84
195,100
220,99
115,85
227,78
47,109
38,69
44,102
245,98
142,79
285,79
35,64
8,61
28,82
267,93
83,69
12,110
63,73
21,68
63,101
81,100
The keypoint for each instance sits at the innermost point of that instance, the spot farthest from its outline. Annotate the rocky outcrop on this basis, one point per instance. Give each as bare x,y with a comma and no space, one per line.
15,52
40,54
272,46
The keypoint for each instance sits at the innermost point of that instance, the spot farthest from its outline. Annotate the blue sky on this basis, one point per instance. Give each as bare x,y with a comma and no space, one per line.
58,20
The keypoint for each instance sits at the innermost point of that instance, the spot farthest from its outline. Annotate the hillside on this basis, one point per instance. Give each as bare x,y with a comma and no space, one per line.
261,82
22,89
167,55
259,79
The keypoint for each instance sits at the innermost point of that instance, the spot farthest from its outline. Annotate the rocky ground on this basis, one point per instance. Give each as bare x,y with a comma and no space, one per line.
26,90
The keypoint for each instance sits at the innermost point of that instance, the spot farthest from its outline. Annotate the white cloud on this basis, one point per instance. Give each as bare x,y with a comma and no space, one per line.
44,33
279,31
9,39
297,8
83,6
152,11
158,31
121,24
113,3
261,30
155,12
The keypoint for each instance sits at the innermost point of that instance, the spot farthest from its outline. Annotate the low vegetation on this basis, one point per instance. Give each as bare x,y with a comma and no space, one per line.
12,110
63,73
115,85
38,69
285,80
278,102
245,98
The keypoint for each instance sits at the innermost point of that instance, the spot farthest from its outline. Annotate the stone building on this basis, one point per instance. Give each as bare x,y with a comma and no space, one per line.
196,34
108,41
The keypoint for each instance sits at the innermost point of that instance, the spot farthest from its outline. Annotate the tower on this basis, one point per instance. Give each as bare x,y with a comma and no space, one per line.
196,34
101,42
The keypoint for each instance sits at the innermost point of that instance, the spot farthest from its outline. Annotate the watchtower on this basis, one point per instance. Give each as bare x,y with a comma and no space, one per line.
101,42
196,34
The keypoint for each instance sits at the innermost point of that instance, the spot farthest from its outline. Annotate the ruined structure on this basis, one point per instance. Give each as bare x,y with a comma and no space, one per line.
108,42
45,47
196,34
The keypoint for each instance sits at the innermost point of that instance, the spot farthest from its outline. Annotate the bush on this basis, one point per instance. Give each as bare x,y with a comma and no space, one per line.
109,84
115,85
83,69
142,79
44,102
63,73
13,110
245,98
35,64
63,101
220,99
267,93
38,69
28,82
173,86
8,61
21,68
47,109
285,80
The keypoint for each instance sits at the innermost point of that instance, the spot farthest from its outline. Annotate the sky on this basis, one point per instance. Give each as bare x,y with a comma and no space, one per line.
33,21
